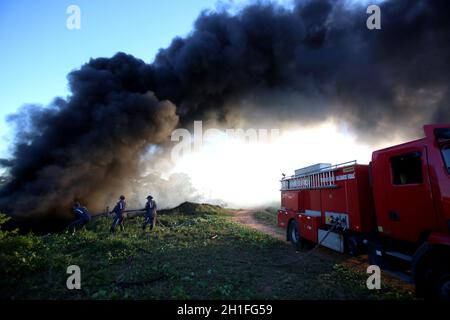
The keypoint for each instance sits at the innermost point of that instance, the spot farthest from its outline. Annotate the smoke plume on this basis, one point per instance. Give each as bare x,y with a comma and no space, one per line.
267,62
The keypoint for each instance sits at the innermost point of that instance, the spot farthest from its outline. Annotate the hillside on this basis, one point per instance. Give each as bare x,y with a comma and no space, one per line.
195,252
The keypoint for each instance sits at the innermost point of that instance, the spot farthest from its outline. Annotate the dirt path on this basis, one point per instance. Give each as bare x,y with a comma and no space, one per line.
246,217
360,263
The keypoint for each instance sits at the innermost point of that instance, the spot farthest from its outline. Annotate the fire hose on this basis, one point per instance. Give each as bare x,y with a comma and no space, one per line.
333,227
106,213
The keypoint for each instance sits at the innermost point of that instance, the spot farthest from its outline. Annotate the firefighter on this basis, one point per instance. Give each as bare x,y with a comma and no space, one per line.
150,213
82,215
119,214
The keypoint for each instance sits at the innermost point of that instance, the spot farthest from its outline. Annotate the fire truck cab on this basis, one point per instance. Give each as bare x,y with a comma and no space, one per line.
397,208
411,188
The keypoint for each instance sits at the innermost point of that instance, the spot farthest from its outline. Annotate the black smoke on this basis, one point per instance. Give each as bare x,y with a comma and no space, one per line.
88,146
321,49
306,64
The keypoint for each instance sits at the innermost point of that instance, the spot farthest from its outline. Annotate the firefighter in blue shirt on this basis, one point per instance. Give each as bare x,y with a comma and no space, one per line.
119,214
150,213
82,215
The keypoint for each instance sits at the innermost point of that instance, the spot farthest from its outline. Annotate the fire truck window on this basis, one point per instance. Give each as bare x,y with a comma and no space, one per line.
407,169
446,156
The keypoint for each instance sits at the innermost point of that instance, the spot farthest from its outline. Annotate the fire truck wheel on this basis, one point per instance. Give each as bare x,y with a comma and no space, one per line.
433,274
443,286
294,235
352,246
437,281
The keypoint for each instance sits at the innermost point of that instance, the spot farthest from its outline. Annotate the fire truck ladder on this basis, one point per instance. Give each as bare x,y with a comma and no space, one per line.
322,178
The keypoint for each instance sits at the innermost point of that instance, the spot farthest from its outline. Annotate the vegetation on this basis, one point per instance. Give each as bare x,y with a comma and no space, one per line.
196,252
266,217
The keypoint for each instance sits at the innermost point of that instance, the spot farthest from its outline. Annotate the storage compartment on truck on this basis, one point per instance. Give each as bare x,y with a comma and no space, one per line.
332,240
289,200
309,226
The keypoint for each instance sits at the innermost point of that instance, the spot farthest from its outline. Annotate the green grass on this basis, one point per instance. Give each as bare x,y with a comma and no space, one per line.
197,253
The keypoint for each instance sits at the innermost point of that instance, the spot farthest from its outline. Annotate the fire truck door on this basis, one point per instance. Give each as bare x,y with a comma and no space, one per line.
409,204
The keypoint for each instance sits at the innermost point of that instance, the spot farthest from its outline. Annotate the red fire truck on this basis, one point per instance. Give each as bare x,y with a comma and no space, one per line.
397,209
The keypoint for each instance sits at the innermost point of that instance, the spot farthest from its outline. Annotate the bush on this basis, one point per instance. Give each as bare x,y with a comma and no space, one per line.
3,220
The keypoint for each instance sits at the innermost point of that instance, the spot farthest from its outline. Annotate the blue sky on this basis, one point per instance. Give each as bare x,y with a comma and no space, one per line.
37,50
